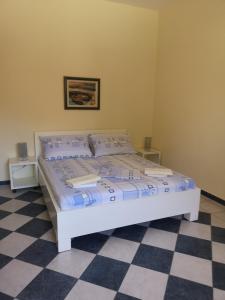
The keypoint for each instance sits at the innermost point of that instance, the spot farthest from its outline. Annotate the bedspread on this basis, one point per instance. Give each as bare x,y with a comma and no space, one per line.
122,178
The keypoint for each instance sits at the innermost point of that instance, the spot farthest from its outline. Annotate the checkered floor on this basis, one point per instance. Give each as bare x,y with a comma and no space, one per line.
166,259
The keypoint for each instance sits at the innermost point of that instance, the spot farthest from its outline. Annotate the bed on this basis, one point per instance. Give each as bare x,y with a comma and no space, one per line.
70,222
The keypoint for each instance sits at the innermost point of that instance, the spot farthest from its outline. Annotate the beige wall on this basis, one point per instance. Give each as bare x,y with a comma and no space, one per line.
189,113
41,41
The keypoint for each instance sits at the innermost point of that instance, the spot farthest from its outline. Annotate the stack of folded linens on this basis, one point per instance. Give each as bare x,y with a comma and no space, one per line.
89,180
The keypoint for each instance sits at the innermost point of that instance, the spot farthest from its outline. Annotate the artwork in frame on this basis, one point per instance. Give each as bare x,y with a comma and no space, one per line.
81,93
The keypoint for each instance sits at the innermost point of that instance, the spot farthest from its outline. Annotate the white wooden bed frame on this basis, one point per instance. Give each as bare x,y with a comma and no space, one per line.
77,222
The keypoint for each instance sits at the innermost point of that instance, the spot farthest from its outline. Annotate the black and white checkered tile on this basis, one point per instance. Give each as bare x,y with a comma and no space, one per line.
165,259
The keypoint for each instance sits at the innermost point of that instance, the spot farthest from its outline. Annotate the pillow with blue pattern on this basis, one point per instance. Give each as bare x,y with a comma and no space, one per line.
65,146
108,144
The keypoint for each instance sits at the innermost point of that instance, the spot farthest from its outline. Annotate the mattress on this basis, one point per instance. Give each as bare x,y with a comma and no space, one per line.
122,179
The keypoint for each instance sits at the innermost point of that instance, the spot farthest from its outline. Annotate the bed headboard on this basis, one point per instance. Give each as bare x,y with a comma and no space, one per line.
37,143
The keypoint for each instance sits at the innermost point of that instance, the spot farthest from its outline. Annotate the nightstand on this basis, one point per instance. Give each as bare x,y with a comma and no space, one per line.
152,154
23,173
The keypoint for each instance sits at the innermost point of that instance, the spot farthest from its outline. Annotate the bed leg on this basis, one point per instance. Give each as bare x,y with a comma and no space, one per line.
64,244
192,216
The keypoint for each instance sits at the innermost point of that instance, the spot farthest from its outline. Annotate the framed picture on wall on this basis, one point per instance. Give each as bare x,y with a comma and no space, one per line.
81,93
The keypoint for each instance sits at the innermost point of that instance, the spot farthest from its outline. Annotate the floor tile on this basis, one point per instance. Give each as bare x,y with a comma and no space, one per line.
107,232
4,214
4,260
192,268
5,297
5,191
160,238
14,221
197,230
133,233
210,206
203,198
35,227
32,209
13,205
88,291
91,242
4,233
44,216
218,275
16,275
218,252
30,196
194,246
145,224
120,249
105,272
218,234
15,243
218,294
168,224
220,214
182,289
40,253
48,285
4,199
153,258
217,222
73,262
120,296
204,218
49,236
178,217
36,189
39,201
133,283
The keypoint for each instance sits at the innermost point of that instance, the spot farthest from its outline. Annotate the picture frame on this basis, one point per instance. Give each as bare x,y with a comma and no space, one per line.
81,93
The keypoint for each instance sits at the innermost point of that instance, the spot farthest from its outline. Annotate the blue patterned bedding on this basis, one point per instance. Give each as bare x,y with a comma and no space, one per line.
122,179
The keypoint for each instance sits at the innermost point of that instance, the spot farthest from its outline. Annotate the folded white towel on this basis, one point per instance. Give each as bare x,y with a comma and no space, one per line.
83,180
86,185
158,172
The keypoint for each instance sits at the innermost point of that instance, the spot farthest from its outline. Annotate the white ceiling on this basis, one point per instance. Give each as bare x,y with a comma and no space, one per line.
152,4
